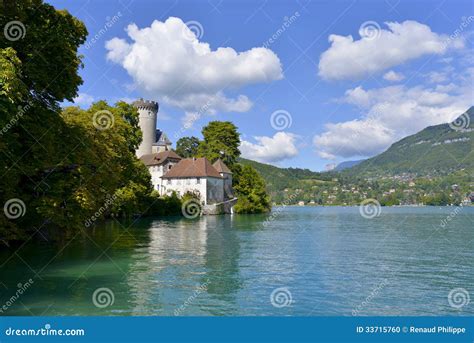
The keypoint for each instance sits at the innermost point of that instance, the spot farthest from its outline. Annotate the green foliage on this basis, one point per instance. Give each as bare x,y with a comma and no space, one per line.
251,191
187,147
437,200
47,51
279,179
163,206
221,140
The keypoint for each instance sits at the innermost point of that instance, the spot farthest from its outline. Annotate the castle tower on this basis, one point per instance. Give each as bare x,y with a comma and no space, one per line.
147,111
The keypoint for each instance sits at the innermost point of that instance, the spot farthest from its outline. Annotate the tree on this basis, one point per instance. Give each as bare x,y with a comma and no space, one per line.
250,190
61,168
187,147
38,69
221,140
46,43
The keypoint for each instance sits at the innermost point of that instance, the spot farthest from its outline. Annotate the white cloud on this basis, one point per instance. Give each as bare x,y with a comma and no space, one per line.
347,58
437,77
169,63
353,138
393,76
389,114
83,100
270,149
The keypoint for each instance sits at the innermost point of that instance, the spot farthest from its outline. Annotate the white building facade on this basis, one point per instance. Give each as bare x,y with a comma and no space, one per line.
197,176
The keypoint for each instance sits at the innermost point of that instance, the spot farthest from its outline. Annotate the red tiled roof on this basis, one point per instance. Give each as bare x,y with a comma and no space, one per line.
192,167
221,167
159,157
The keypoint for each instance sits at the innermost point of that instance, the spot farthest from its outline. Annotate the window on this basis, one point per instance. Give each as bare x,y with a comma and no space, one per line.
169,167
198,181
169,181
188,181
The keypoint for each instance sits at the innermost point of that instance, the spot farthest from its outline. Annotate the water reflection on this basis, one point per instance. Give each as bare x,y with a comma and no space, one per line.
195,252
329,258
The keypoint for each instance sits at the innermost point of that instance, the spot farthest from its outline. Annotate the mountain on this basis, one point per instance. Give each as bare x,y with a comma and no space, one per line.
280,179
347,165
436,150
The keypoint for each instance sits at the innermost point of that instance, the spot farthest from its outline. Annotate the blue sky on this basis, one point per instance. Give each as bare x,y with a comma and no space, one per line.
301,91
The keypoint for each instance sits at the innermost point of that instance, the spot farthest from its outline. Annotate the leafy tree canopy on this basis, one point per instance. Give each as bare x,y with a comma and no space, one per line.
221,140
187,147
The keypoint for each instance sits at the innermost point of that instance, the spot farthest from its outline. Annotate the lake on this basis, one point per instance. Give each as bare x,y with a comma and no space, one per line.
299,261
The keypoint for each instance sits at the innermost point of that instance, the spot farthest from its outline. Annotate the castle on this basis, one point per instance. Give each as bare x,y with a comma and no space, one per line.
212,183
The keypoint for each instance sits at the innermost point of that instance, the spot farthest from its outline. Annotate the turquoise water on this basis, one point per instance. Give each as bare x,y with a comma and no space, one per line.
316,261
